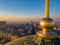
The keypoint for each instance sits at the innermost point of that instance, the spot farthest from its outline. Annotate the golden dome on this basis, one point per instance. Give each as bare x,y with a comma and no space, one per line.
47,24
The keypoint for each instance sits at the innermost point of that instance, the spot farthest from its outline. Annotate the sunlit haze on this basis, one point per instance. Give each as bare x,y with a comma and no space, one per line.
24,10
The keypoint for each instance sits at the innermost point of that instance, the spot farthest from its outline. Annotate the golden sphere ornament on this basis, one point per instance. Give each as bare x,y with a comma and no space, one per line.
47,24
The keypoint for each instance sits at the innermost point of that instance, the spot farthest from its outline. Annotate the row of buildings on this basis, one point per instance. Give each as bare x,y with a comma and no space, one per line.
10,32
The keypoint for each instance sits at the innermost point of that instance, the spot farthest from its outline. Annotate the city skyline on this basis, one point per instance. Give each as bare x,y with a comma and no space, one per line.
26,9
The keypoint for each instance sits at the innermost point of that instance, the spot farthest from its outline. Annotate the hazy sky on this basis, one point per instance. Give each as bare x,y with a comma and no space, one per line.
27,8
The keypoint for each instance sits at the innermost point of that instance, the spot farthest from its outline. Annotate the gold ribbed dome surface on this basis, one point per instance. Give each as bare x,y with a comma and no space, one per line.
33,40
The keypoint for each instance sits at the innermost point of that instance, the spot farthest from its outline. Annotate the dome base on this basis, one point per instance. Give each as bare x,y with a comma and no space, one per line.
34,40
50,35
